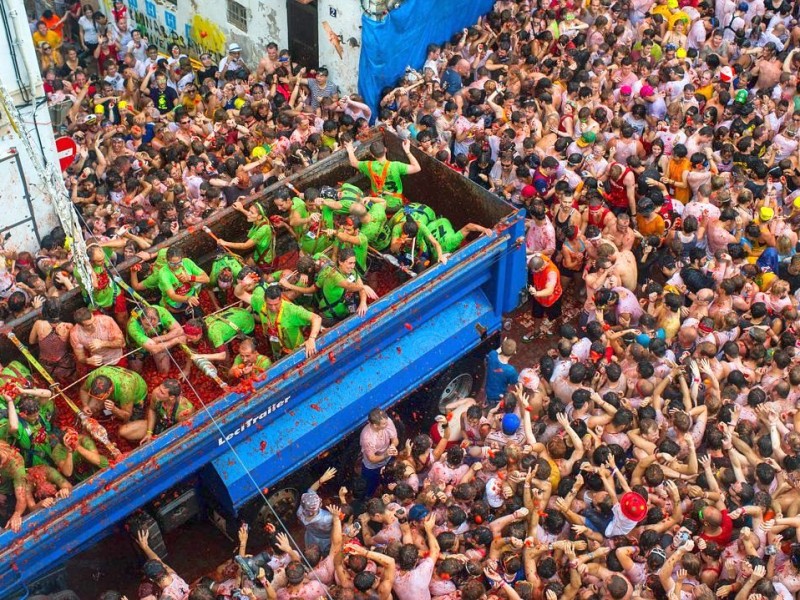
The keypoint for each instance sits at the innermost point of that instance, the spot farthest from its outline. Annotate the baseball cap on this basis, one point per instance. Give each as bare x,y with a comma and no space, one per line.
646,90
633,506
587,137
765,213
743,6
528,191
681,53
726,74
510,423
626,90
234,47
494,496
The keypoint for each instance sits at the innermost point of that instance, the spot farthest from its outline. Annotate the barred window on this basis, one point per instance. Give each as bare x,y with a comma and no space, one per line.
237,15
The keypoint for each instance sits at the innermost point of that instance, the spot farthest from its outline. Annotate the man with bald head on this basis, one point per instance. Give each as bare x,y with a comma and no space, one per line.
453,79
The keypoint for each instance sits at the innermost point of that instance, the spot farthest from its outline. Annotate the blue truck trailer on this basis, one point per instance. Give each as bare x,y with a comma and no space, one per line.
240,445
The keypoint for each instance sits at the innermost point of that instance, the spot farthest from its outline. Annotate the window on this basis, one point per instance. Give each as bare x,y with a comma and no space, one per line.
237,15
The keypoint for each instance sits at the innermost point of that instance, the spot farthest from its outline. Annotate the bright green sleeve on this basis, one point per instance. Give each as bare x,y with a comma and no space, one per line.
295,316
257,299
363,167
136,333
192,268
399,168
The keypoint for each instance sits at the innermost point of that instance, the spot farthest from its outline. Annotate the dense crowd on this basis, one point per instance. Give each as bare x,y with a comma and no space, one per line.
653,452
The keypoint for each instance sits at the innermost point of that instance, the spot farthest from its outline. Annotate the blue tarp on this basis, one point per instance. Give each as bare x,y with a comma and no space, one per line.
389,46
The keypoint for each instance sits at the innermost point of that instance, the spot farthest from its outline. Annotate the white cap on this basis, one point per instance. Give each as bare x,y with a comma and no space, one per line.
234,47
529,379
494,493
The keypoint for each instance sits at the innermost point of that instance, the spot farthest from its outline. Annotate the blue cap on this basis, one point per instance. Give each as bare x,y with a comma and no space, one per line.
417,512
510,423
744,6
643,339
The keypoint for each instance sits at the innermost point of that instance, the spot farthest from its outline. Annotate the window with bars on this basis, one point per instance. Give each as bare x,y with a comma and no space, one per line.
237,15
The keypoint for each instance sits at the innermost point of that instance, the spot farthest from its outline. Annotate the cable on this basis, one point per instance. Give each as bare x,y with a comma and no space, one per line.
228,443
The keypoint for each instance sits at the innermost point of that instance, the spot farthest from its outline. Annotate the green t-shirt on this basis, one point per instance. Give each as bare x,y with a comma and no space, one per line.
332,299
15,372
264,238
449,239
136,333
129,387
360,249
167,280
299,206
226,325
12,475
284,328
81,468
103,295
422,238
220,263
377,213
384,176
35,440
151,281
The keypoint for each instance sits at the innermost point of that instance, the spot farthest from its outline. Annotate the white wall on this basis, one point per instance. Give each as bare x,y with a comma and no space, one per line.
16,167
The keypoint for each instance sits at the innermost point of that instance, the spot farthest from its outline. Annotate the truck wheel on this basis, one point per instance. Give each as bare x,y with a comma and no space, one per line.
460,380
284,502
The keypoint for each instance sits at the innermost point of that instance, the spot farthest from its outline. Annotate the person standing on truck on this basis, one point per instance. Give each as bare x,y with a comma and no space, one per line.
180,282
349,235
378,443
114,391
337,287
385,176
52,336
545,291
500,374
283,322
12,481
168,406
154,332
260,237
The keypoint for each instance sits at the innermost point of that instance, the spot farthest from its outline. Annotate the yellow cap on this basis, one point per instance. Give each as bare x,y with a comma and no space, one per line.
258,152
680,53
672,3
765,213
123,104
99,109
796,202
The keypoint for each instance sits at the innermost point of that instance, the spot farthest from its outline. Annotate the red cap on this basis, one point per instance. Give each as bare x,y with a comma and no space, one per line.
528,191
633,506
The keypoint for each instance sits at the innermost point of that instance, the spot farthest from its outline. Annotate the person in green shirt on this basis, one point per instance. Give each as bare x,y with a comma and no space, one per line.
260,237
283,322
225,325
248,363
114,392
385,176
167,407
179,282
77,457
106,295
20,375
45,486
449,239
29,428
223,273
337,287
414,246
149,272
349,235
372,215
420,213
13,481
155,331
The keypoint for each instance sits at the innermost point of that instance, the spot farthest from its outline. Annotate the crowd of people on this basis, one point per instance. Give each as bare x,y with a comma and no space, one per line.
652,452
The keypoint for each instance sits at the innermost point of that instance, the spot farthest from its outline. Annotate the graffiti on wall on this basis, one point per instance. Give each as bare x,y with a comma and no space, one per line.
160,24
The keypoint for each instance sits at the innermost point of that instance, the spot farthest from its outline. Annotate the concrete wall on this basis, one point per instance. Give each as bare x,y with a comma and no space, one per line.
202,26
26,213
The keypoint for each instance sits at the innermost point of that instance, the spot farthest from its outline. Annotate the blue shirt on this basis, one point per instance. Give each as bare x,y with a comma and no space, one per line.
498,377
451,82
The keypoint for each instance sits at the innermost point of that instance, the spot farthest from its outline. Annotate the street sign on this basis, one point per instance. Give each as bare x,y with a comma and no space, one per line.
67,151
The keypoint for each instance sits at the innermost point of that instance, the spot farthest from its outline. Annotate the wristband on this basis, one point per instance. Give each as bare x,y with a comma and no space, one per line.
149,432
193,279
